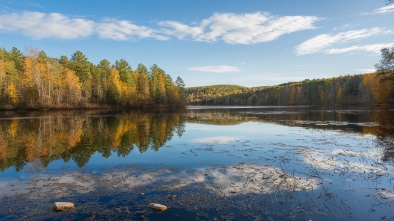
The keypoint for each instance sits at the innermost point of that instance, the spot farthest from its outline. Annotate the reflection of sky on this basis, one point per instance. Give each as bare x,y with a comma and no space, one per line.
202,145
215,140
231,180
245,131
247,158
363,162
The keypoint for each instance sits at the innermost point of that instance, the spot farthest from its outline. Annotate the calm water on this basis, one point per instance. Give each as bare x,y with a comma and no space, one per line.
260,163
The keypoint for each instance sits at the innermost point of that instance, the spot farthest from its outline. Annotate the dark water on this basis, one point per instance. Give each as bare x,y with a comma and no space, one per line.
261,163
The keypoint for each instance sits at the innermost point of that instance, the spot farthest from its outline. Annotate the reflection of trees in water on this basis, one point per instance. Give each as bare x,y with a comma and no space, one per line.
379,123
216,117
77,136
385,133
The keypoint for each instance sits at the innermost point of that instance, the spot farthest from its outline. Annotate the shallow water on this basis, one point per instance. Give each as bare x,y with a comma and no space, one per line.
238,163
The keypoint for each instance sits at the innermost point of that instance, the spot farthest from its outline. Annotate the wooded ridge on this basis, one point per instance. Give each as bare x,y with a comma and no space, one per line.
362,89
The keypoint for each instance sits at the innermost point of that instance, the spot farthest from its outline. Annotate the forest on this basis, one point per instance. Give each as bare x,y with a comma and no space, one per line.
33,80
361,89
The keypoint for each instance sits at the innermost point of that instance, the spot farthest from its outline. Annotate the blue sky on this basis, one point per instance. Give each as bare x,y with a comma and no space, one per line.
207,42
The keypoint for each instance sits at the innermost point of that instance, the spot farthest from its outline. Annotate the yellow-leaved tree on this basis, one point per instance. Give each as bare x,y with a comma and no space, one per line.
13,93
74,86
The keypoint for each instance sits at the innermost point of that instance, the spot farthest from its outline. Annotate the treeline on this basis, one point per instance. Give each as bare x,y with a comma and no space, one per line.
363,89
34,80
208,94
40,139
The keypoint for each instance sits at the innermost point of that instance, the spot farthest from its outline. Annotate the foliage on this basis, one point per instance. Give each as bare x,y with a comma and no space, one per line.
386,63
215,95
34,80
362,89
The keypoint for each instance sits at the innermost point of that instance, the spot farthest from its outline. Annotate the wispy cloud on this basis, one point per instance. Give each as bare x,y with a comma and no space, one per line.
215,69
366,70
249,28
179,30
383,10
374,48
46,25
125,30
322,42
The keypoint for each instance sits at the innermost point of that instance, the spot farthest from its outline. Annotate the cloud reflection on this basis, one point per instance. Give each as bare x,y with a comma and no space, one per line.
226,181
216,140
340,159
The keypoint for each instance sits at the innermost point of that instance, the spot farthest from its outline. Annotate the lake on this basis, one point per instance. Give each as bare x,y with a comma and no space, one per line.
203,163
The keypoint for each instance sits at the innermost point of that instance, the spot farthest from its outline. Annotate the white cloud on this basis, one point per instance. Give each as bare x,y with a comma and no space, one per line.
125,30
215,69
374,48
366,70
247,28
322,42
180,30
383,10
46,25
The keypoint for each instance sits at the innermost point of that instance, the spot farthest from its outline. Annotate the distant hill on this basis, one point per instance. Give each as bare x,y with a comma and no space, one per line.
362,89
209,94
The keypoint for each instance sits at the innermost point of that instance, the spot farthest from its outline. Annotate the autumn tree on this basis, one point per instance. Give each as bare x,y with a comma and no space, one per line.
114,88
385,68
74,87
129,92
12,93
386,63
143,86
157,85
124,70
2,75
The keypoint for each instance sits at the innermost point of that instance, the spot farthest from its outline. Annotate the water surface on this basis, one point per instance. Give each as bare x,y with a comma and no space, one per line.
239,163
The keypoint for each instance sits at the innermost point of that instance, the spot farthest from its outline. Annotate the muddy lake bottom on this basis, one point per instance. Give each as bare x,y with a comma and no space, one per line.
203,164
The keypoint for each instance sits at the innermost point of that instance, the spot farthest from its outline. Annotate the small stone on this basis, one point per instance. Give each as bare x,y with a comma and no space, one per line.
61,206
171,197
157,206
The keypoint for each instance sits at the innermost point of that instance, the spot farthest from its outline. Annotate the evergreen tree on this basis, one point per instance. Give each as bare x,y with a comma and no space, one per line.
81,66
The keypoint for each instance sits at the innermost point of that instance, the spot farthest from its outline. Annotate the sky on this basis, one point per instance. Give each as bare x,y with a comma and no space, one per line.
208,42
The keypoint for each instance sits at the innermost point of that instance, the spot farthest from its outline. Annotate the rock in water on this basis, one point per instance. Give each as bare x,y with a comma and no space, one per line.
61,206
157,206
